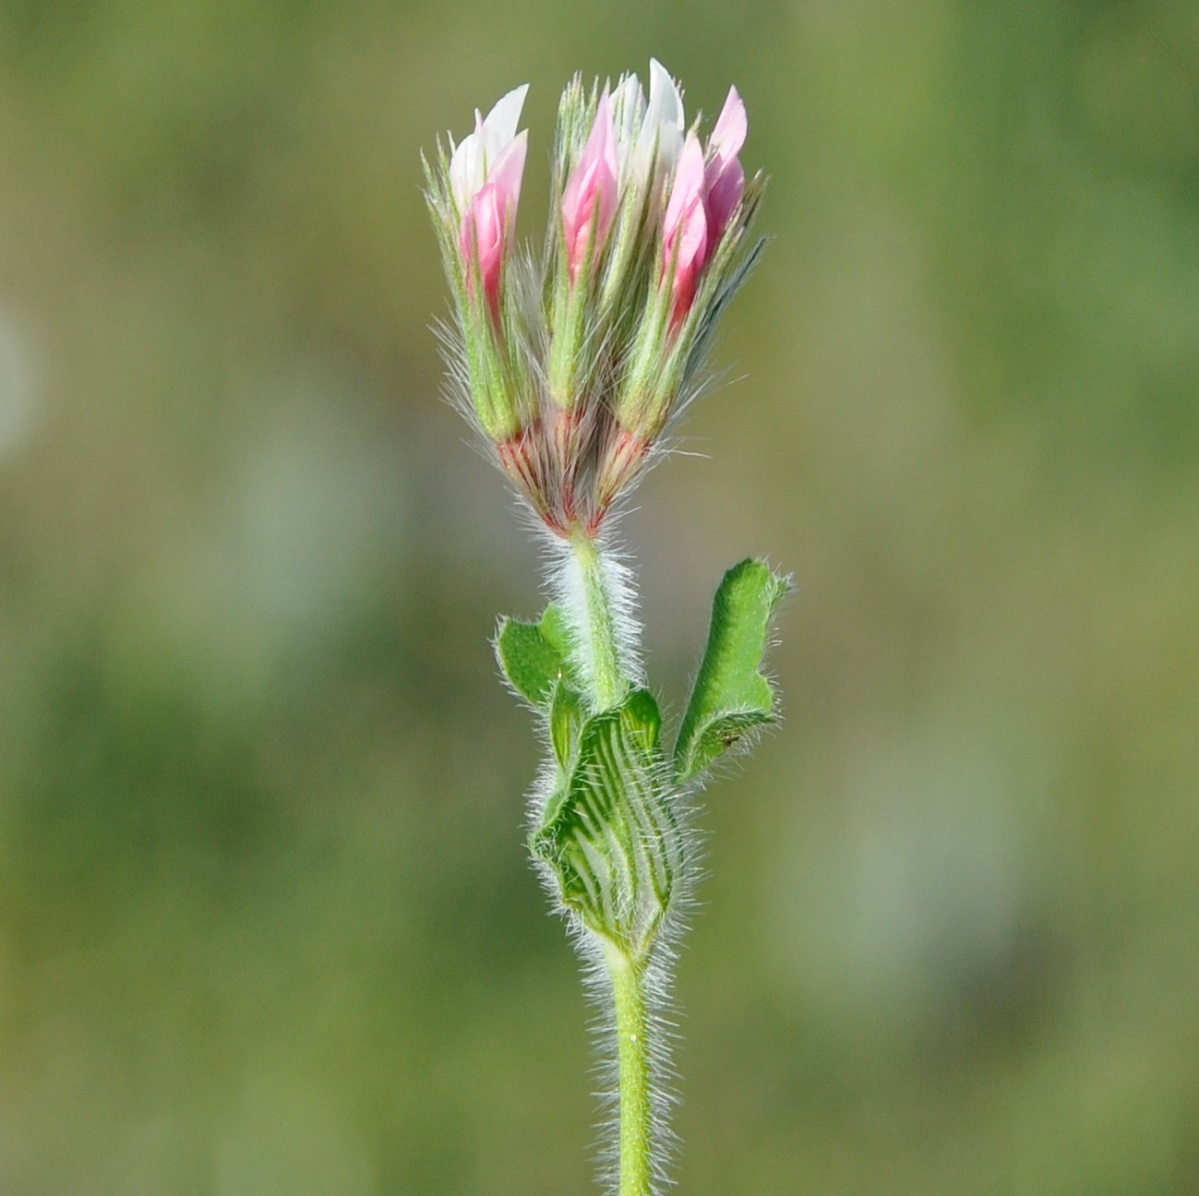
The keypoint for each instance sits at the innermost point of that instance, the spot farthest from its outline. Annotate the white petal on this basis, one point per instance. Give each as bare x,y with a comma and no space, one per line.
628,111
474,156
661,137
500,126
466,170
665,103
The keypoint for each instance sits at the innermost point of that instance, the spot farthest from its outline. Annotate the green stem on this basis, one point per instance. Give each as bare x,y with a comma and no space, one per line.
596,626
634,1062
603,645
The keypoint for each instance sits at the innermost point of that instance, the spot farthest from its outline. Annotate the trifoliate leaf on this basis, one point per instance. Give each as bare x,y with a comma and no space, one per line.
731,698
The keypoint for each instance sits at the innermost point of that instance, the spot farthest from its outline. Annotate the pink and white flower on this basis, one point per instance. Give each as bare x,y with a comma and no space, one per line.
703,198
485,174
590,196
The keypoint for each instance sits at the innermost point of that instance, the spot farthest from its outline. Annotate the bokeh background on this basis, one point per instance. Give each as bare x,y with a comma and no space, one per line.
266,924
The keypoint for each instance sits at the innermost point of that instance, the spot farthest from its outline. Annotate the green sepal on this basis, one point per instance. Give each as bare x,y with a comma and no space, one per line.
731,698
533,656
609,832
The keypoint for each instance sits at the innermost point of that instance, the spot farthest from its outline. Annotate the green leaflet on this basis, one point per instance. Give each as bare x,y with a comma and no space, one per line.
533,656
609,833
731,697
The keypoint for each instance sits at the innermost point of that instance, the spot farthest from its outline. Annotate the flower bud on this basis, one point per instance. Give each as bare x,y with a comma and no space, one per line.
589,200
485,175
702,200
473,195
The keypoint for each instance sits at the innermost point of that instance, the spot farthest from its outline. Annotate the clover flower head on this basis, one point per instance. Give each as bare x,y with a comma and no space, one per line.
572,366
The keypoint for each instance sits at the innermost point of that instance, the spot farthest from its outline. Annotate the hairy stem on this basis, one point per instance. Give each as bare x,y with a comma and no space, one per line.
595,614
634,1060
598,605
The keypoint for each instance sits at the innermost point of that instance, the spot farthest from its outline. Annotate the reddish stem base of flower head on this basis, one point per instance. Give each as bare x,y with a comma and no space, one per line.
571,469
570,451
544,462
523,458
623,459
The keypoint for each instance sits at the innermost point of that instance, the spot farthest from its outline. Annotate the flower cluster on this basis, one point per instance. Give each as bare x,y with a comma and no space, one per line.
573,364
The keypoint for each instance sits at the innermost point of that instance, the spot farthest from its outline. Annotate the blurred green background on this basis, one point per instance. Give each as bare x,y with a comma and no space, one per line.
266,923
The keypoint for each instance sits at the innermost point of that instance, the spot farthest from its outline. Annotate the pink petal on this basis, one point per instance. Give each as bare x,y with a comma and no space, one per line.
724,179
507,173
731,127
691,242
689,264
484,236
723,193
589,198
685,240
686,187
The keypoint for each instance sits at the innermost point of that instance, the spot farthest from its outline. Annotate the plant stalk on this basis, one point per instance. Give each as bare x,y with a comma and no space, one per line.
634,1060
596,615
595,625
